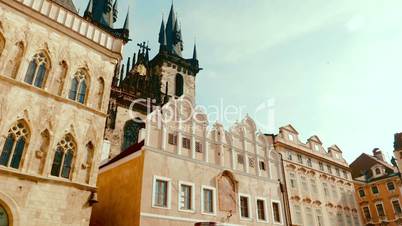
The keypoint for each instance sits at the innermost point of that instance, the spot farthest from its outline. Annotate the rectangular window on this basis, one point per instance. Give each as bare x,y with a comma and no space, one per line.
345,174
325,187
240,159
298,215
304,185
290,157
186,197
299,158
161,189
356,220
262,165
309,163
321,166
374,189
380,209
313,186
186,143
366,212
320,220
309,216
390,186
198,147
261,210
339,217
361,192
172,139
329,169
208,201
293,182
244,207
334,192
338,172
277,212
397,206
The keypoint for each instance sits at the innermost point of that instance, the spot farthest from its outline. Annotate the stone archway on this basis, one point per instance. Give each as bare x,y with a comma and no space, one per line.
10,211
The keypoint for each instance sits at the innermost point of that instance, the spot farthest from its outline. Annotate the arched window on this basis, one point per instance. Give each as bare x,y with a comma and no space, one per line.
88,160
377,171
179,85
3,217
37,70
14,146
63,157
2,43
79,88
131,132
100,92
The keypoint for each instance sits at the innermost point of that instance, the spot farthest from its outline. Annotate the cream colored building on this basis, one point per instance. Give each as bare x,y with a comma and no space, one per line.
319,182
56,69
184,172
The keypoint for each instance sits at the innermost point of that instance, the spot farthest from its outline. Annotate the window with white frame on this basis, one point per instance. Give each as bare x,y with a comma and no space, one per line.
304,185
366,212
161,192
186,196
391,186
374,189
361,192
289,155
298,215
244,201
321,165
276,211
208,200
380,209
313,186
309,163
309,216
293,182
261,210
300,158
320,219
397,206
325,188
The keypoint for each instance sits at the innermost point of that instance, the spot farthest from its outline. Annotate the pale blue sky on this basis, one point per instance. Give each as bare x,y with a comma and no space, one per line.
334,68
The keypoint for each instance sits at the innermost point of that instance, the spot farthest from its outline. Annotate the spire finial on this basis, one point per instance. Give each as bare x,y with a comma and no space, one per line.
127,20
195,51
88,10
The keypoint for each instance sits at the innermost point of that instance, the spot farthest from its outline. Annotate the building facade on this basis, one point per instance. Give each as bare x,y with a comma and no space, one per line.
56,69
144,84
377,186
183,173
319,183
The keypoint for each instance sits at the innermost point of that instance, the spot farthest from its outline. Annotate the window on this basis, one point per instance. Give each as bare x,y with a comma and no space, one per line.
345,174
208,200
316,147
377,171
397,206
338,172
313,186
374,189
172,139
339,217
309,162
179,85
309,216
329,169
37,70
198,147
244,207
161,192
380,209
361,192
320,219
299,159
131,132
304,185
293,182
240,159
298,215
63,157
262,165
261,210
79,87
15,145
3,213
251,162
186,197
391,186
276,210
325,187
356,220
366,212
186,143
291,138
334,192
289,156
321,166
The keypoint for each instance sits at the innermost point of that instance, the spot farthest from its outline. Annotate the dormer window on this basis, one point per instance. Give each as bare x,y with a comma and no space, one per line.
316,147
290,137
377,171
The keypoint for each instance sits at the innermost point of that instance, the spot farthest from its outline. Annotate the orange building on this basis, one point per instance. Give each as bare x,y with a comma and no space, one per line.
377,190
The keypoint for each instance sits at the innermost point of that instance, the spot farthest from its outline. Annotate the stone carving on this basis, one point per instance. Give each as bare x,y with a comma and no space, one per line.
227,192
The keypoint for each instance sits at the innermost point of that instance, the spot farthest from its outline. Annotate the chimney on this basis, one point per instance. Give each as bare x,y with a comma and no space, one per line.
377,153
398,141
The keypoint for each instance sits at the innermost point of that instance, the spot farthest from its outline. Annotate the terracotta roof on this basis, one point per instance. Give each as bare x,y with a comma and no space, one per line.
132,149
68,4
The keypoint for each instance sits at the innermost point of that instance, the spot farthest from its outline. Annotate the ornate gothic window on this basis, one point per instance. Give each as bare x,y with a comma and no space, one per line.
63,157
14,146
179,85
131,132
79,88
37,70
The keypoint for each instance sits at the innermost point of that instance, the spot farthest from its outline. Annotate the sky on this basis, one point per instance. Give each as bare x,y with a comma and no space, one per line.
330,68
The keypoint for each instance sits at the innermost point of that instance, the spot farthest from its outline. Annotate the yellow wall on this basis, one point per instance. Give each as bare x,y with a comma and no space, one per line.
119,193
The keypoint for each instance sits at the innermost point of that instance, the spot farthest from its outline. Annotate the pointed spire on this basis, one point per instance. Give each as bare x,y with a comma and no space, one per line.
128,66
115,11
195,52
121,75
162,34
134,61
88,10
127,21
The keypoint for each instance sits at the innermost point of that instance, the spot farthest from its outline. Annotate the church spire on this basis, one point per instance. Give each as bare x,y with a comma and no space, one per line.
88,10
127,21
162,35
115,11
195,52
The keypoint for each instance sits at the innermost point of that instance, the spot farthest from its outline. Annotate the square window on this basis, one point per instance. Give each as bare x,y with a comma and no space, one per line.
208,200
244,207
261,210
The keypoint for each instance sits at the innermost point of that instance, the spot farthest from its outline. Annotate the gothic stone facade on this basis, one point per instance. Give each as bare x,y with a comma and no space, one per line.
56,70
187,172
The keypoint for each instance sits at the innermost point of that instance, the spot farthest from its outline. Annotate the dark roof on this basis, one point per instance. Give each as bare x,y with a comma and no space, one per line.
132,149
364,162
68,4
